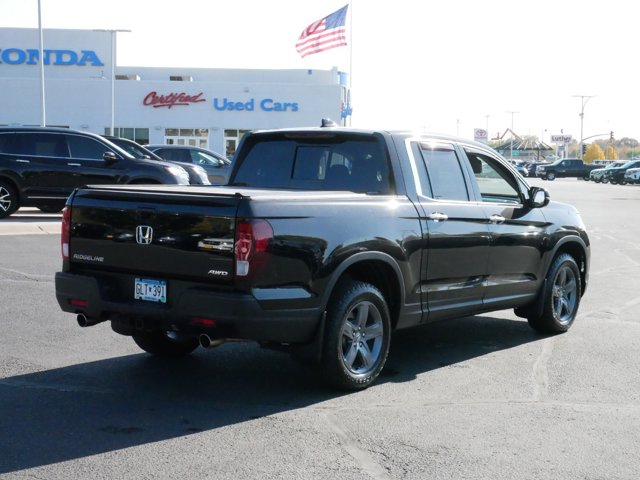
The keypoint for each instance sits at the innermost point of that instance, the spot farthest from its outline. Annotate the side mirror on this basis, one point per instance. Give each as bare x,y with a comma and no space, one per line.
538,197
109,158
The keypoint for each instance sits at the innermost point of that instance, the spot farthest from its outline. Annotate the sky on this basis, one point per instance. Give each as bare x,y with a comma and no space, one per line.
447,66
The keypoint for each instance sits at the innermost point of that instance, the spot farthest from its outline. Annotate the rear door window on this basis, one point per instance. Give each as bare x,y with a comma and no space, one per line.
444,179
174,155
40,144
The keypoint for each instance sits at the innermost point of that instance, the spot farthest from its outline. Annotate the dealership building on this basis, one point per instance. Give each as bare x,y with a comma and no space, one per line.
211,108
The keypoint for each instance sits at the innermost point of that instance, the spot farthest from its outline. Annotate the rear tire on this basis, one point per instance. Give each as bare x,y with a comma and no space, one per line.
561,297
8,199
165,344
357,336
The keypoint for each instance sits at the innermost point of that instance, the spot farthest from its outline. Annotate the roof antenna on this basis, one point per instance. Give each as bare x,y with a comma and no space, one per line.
327,122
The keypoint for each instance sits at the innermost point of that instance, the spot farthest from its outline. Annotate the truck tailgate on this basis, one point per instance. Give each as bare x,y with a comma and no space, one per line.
152,232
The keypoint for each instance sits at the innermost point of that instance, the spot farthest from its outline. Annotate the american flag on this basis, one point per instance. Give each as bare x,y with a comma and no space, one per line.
324,34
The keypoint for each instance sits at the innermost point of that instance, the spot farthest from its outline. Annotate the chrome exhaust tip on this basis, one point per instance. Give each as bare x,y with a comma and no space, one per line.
207,342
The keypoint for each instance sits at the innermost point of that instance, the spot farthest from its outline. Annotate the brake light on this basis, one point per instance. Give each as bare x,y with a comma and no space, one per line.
65,232
252,239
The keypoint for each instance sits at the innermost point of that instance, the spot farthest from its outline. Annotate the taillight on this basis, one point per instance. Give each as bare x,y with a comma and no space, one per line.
65,232
252,239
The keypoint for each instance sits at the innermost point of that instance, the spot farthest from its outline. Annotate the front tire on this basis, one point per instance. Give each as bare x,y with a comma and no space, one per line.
357,336
551,176
561,297
165,344
8,199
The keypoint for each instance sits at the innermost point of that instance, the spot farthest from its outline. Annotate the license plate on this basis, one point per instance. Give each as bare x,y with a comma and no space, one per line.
150,290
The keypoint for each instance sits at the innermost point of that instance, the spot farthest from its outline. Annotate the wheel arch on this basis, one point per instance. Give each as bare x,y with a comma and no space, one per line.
575,247
13,183
380,270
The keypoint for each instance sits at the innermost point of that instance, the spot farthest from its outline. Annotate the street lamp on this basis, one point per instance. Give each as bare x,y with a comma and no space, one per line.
113,72
583,101
511,151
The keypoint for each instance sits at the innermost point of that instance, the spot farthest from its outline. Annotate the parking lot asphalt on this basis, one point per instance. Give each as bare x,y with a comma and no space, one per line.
480,397
31,221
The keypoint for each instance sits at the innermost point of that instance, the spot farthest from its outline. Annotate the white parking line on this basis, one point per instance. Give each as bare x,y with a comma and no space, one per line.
31,221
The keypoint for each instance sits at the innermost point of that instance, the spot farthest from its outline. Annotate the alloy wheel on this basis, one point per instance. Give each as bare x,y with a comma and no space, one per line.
362,338
565,295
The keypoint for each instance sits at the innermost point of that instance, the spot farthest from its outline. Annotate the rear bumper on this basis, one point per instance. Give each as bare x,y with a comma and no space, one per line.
236,315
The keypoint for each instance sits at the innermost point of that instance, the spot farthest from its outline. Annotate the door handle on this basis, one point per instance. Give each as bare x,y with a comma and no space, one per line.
496,219
438,217
74,164
20,160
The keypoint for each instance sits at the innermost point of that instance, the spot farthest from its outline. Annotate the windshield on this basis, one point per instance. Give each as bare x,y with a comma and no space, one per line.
631,163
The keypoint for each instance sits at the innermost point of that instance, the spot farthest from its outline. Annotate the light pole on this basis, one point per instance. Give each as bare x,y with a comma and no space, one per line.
511,150
487,127
43,117
113,73
583,101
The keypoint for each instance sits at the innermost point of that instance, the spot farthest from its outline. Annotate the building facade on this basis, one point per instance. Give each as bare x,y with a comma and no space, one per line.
211,108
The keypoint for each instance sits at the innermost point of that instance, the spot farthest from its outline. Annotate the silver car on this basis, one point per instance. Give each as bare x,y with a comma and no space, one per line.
217,166
632,175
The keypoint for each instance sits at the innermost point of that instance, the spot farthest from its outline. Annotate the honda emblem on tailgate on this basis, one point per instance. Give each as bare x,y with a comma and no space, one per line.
144,234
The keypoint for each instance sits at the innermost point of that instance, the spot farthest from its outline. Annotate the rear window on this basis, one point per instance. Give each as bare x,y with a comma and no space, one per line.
356,164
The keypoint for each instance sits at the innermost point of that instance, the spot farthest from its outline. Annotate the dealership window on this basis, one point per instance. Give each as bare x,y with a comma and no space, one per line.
139,135
194,137
232,138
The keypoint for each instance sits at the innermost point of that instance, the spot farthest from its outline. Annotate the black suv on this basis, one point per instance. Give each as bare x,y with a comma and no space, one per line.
41,166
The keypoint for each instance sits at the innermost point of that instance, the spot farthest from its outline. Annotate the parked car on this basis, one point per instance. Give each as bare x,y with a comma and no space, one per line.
530,167
41,166
598,175
616,174
324,242
565,167
217,166
519,166
632,175
197,174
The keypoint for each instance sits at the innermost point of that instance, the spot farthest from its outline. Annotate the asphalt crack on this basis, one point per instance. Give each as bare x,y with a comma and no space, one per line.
541,372
362,457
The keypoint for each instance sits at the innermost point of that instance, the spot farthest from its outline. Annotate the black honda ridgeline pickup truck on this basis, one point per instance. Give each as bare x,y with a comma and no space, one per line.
324,241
